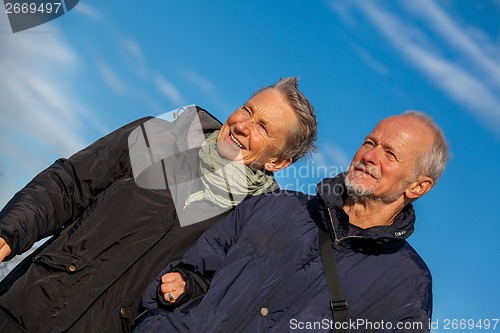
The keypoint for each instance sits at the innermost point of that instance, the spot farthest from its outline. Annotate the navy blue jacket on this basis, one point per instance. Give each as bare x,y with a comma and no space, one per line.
268,276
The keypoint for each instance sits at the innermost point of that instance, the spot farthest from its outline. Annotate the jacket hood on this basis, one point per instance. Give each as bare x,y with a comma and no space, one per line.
332,193
193,125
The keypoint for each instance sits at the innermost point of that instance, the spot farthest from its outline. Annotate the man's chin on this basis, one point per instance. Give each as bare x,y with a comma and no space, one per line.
357,184
361,194
358,192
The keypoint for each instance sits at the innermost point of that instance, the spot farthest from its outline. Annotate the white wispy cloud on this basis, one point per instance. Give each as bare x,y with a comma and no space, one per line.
111,78
127,73
35,107
470,42
133,57
88,11
40,117
126,70
469,77
331,155
207,88
343,10
33,98
369,60
169,90
199,81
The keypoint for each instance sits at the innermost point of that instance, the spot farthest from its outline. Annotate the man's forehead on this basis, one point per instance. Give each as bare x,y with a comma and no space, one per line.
401,123
394,120
386,126
406,129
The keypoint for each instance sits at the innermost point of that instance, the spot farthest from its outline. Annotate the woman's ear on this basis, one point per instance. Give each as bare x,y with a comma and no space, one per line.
276,164
419,187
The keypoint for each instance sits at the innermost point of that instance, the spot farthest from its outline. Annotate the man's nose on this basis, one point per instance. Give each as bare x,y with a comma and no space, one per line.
372,156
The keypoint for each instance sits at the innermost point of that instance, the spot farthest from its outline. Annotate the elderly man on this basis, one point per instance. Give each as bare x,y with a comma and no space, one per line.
260,270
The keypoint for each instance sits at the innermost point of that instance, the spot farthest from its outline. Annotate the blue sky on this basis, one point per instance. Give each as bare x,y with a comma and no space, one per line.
66,83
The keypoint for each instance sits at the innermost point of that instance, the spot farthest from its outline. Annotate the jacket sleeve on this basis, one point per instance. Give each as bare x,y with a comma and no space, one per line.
59,194
416,322
196,285
415,316
203,259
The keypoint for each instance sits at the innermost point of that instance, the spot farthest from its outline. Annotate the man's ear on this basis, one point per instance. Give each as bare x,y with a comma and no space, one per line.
419,187
276,164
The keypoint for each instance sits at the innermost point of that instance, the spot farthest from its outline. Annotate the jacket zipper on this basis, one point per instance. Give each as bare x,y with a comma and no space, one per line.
336,240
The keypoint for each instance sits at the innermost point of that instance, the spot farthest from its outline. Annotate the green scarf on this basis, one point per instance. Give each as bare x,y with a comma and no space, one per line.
226,183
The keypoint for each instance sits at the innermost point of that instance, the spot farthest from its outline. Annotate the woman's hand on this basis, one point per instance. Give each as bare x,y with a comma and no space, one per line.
172,286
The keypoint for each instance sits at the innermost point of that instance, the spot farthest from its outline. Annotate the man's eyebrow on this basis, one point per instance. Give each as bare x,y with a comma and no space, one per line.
369,137
385,145
389,146
248,105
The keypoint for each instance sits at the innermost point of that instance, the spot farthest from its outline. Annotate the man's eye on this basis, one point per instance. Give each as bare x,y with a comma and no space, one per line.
368,143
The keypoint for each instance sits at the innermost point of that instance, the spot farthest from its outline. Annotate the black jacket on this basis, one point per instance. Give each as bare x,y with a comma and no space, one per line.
111,236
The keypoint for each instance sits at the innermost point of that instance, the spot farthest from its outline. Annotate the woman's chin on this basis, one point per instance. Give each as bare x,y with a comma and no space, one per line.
229,152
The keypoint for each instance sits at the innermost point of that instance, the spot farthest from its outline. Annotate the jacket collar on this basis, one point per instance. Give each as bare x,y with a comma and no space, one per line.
192,126
331,194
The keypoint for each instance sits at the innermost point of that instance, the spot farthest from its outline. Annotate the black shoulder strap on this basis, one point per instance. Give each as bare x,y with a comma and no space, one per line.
338,305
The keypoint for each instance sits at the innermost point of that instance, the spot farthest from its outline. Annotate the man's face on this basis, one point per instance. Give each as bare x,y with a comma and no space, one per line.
384,165
256,133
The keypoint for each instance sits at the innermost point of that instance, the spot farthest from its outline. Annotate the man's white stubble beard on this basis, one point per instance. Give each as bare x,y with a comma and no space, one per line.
361,194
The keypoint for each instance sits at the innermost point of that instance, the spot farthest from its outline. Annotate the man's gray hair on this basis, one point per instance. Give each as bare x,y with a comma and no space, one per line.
302,139
433,162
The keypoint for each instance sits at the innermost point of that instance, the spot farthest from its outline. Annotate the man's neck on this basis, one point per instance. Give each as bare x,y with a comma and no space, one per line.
372,213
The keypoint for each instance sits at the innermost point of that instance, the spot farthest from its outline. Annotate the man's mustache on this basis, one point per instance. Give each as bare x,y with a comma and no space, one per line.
368,169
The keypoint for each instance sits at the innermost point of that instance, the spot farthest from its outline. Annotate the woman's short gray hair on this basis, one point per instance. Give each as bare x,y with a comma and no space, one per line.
303,139
433,162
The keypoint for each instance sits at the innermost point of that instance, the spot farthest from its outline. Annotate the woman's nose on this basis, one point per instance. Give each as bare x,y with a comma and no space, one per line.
243,127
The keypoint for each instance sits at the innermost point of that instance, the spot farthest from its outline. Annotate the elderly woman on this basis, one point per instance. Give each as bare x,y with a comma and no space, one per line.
123,207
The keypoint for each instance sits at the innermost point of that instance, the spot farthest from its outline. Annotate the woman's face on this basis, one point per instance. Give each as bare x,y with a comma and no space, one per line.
256,133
